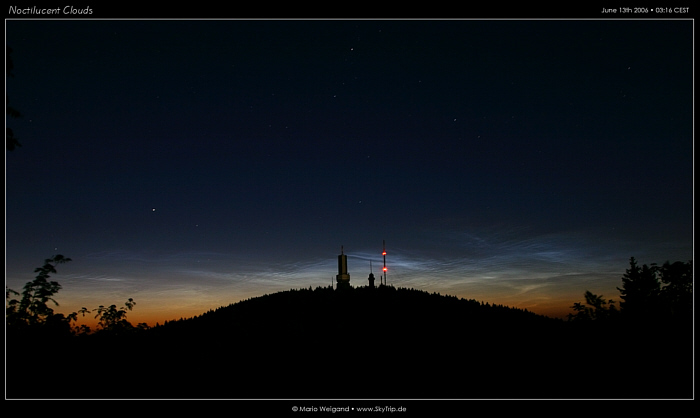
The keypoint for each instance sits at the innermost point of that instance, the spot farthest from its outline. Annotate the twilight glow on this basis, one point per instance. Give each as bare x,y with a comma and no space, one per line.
192,164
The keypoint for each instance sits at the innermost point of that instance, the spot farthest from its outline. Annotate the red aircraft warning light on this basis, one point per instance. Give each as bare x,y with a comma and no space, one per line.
384,254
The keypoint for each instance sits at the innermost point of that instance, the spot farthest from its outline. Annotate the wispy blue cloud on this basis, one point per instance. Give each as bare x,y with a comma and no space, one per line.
513,266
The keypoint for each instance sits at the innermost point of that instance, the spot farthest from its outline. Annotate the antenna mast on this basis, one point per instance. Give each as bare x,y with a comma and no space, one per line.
384,255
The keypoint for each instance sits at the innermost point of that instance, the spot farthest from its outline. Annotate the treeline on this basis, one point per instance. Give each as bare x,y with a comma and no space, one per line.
650,295
31,316
362,342
640,346
381,305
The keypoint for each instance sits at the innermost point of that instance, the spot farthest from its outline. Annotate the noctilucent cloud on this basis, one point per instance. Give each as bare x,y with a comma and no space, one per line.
190,164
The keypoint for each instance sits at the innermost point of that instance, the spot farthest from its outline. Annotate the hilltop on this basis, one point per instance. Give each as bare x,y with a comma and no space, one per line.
357,342
355,310
354,343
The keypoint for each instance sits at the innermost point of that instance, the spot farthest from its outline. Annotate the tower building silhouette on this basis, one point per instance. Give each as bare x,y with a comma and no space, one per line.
343,278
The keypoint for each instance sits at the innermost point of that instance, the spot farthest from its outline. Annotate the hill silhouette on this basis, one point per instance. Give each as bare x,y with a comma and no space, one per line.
357,343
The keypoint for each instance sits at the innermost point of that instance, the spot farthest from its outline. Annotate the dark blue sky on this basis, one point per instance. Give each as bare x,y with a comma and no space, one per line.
193,163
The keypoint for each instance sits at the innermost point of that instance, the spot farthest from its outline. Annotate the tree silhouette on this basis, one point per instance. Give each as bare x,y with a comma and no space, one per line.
113,319
596,308
677,294
640,292
33,309
649,294
33,313
282,333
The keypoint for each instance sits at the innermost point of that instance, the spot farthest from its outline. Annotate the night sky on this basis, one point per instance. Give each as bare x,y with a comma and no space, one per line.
190,164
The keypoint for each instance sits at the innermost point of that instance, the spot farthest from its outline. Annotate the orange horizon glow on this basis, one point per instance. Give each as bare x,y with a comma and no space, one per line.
154,312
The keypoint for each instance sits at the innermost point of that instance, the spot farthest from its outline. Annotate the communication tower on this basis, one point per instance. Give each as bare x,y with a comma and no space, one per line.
343,278
384,255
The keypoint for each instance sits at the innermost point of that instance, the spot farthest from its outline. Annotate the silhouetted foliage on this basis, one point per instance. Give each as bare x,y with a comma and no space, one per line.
32,311
595,309
677,294
649,294
382,342
652,293
650,335
113,319
640,292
